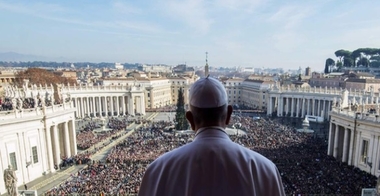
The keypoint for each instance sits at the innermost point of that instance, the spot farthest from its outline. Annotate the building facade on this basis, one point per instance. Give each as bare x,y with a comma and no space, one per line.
234,90
354,137
33,140
254,93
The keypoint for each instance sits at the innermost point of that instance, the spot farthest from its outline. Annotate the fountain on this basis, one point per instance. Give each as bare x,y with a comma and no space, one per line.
103,124
305,125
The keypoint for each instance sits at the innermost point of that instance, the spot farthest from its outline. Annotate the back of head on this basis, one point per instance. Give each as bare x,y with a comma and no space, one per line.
208,102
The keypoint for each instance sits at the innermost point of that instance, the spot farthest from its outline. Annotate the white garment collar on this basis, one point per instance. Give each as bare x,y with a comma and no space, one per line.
210,127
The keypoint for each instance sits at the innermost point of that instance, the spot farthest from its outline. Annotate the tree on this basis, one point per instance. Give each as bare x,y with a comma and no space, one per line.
329,62
348,62
363,61
339,66
40,76
342,53
356,54
180,116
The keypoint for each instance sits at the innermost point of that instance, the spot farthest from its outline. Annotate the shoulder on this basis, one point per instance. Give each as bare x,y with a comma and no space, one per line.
173,154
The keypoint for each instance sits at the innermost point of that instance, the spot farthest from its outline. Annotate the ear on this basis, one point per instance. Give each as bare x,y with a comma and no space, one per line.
190,118
229,112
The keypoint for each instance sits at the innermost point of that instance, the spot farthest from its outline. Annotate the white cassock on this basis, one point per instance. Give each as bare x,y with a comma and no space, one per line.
211,165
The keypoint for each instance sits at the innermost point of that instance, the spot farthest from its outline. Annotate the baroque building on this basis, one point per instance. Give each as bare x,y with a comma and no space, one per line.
34,137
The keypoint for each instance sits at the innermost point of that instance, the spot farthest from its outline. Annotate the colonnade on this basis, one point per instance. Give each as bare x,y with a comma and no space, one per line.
354,138
341,142
60,142
299,106
7,80
117,105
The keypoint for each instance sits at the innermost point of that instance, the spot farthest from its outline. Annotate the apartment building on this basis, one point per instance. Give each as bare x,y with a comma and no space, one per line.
254,93
331,80
233,88
178,82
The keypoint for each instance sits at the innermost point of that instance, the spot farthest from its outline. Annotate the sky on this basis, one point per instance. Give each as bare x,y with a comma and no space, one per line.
246,33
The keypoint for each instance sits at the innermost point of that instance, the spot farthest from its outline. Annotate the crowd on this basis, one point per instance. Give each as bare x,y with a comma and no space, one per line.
6,104
301,159
87,138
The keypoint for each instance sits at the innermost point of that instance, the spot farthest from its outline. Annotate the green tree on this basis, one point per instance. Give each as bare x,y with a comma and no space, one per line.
180,116
339,66
355,55
343,55
363,61
329,62
348,61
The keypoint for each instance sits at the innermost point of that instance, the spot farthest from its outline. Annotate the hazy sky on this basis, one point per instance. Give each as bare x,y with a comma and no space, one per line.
248,33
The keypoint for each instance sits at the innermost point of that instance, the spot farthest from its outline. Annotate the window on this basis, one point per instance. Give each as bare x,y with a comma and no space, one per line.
12,157
35,154
364,152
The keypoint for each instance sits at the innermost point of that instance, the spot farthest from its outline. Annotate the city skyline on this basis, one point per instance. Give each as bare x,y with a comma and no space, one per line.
245,33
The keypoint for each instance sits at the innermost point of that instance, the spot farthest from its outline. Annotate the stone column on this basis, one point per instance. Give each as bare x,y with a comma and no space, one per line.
49,149
281,106
73,138
345,145
106,104
328,106
357,152
93,106
131,109
118,105
57,151
85,106
298,107
100,106
112,106
330,141
278,107
351,147
336,141
303,108
292,107
66,139
287,106
319,108
23,155
313,107
88,106
82,106
123,104
75,105
324,110
43,149
270,105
